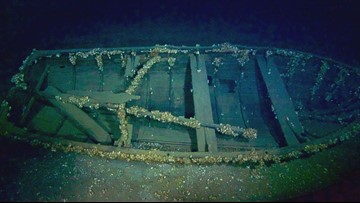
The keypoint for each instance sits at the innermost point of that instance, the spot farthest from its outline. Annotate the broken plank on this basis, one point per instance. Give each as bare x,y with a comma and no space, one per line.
202,103
78,117
281,101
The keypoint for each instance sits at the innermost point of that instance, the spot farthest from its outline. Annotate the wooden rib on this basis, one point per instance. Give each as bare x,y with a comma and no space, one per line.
132,63
281,101
32,100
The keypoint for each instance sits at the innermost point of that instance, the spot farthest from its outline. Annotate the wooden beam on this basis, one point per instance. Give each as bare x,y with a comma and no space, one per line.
78,117
102,97
202,103
280,99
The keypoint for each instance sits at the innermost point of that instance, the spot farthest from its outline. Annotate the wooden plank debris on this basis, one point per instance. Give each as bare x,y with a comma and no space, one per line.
280,99
202,104
78,117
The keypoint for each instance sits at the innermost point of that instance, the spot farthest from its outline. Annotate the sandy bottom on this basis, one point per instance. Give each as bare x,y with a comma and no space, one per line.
35,174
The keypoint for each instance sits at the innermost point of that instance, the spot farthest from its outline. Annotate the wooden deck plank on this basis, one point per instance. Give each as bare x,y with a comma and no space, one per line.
228,106
202,103
154,134
62,78
281,101
113,78
87,78
177,94
78,117
159,84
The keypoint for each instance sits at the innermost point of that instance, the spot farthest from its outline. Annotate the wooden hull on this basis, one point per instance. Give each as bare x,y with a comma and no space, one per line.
219,99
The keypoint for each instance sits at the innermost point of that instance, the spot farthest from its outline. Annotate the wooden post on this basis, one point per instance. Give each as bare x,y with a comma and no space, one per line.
130,131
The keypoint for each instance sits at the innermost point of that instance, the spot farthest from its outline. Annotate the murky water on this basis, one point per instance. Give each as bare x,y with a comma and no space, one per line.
32,174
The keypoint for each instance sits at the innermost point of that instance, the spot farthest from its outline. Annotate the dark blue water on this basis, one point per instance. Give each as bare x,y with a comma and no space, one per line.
326,27
329,28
